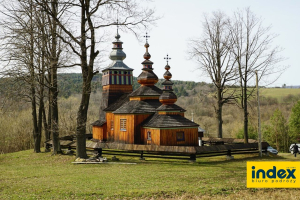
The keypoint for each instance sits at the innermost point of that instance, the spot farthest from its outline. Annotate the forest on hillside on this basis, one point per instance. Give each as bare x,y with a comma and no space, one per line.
196,97
71,83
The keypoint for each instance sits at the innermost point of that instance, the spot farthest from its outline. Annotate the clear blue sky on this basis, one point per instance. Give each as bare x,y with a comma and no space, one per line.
182,19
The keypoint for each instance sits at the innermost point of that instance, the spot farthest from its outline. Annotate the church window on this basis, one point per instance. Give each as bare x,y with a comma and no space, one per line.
112,124
123,123
180,136
149,135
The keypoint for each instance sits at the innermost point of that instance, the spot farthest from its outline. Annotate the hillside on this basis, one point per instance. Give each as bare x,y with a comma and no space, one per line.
71,83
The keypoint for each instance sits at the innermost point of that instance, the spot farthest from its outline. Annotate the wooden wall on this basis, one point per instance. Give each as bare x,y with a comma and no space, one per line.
110,132
126,137
171,113
135,134
155,136
138,136
143,98
168,137
99,133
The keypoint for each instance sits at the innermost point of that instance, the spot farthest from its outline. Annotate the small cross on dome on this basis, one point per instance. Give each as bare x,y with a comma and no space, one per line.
146,36
117,25
167,58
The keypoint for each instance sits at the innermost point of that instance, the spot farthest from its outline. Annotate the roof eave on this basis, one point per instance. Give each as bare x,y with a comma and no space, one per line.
173,127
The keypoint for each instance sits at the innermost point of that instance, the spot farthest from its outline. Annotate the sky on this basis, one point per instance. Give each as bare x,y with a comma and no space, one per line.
182,20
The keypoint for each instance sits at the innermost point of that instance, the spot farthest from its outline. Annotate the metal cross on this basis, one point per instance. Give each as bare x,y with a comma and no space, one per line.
167,58
117,25
146,36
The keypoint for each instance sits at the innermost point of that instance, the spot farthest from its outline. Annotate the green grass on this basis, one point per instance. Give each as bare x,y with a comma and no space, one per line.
26,175
278,92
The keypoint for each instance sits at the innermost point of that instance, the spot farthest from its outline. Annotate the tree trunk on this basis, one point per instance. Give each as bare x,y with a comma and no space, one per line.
82,116
46,129
36,135
36,132
54,113
53,82
219,113
86,90
40,118
245,113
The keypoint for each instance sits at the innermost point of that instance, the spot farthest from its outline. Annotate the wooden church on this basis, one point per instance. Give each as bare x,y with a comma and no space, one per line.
146,116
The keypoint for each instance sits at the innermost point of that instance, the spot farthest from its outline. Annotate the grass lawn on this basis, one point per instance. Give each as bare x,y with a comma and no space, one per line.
26,175
278,92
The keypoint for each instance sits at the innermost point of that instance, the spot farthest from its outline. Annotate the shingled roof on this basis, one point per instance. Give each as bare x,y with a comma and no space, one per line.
98,123
117,65
172,107
118,103
168,121
138,107
146,91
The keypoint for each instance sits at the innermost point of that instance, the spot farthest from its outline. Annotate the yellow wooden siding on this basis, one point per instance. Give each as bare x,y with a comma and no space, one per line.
99,133
155,136
138,136
143,98
126,136
110,131
168,137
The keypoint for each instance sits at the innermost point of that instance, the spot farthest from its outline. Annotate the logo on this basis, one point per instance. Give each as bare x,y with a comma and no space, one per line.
273,174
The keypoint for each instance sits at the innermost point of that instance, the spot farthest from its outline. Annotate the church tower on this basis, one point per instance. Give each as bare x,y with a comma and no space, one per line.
147,77
168,126
167,97
117,78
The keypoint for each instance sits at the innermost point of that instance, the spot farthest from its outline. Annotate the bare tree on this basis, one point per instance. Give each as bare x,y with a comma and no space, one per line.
91,16
21,41
212,52
30,44
53,87
253,50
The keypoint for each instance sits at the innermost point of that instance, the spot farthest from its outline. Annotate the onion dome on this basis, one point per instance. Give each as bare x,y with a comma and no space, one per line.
117,73
147,77
167,97
117,56
117,52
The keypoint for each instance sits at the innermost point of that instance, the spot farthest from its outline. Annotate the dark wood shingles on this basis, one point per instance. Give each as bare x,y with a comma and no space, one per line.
168,121
118,103
172,107
98,123
146,91
138,107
